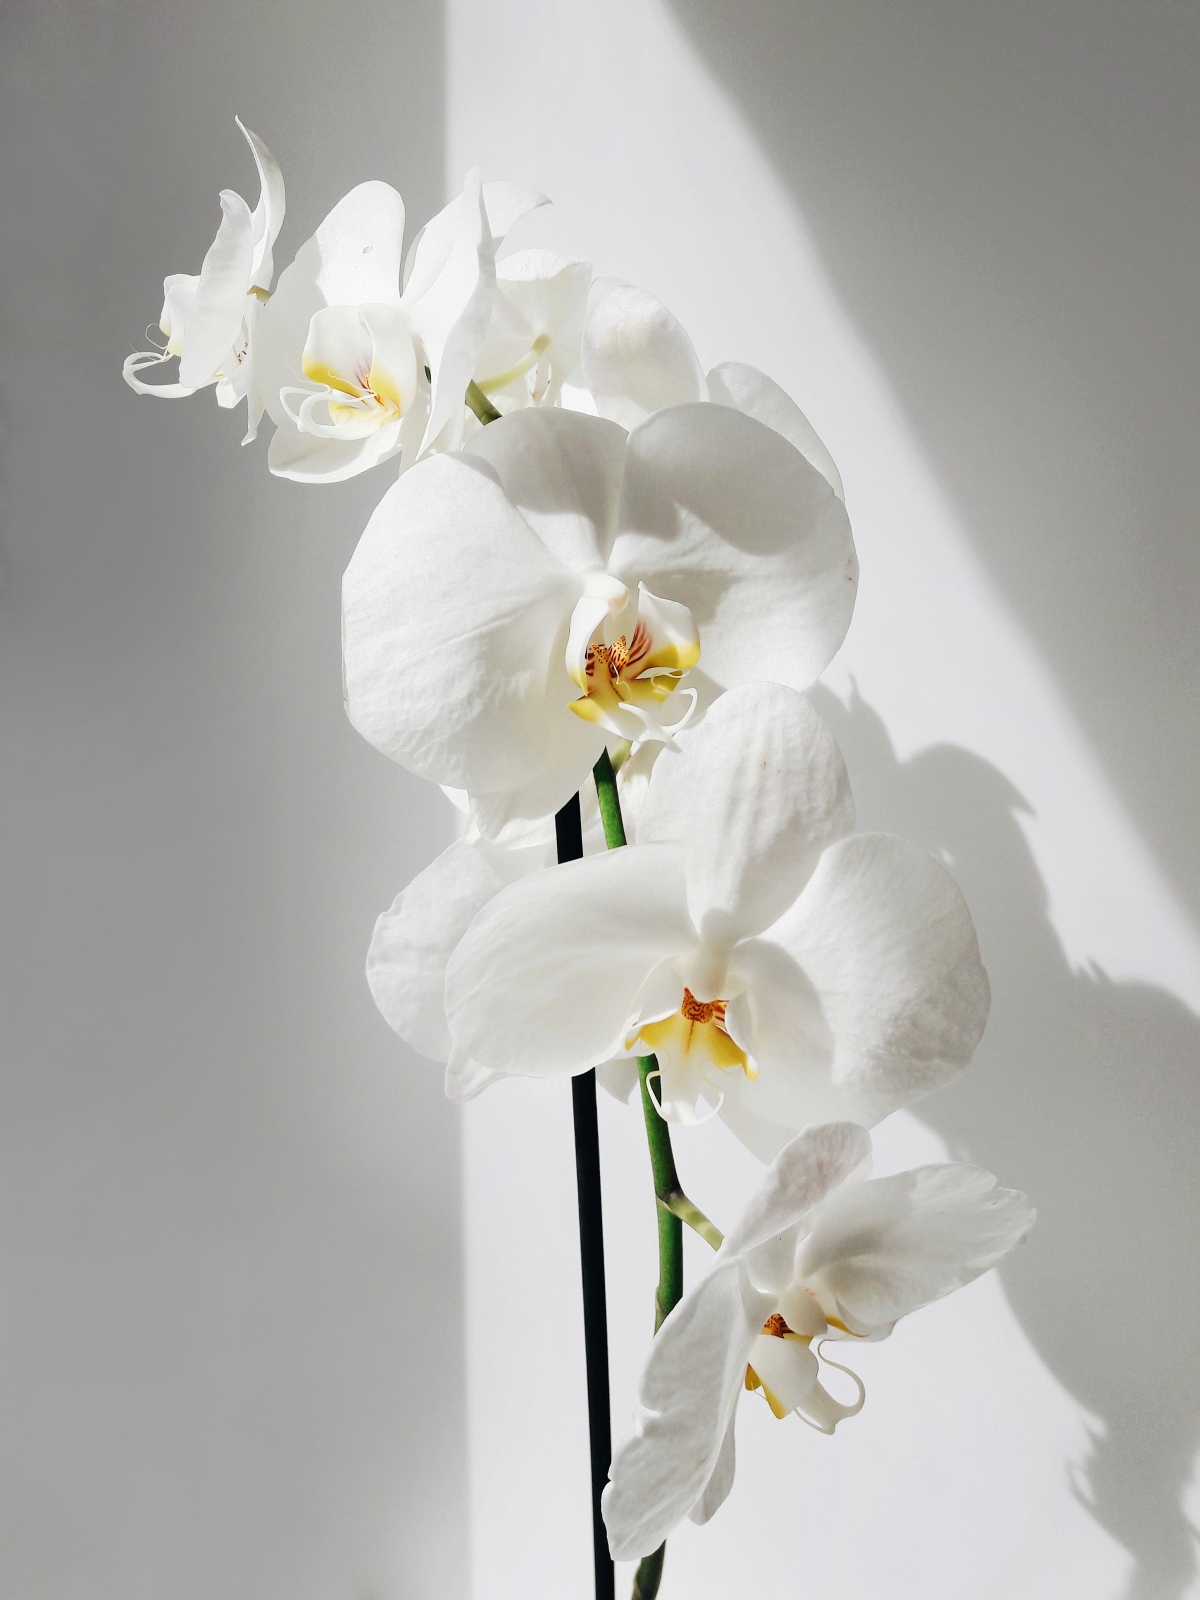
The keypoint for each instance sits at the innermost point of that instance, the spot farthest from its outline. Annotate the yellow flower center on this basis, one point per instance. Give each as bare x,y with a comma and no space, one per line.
697,1030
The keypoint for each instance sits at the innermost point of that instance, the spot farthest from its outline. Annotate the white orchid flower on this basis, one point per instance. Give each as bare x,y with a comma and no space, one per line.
343,351
818,1254
637,359
537,322
208,319
512,609
784,970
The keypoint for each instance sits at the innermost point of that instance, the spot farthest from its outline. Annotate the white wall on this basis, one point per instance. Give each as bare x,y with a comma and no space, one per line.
230,1336
1015,693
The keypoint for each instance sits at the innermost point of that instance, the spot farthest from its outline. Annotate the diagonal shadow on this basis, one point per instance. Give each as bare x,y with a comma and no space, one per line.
1004,196
1084,1094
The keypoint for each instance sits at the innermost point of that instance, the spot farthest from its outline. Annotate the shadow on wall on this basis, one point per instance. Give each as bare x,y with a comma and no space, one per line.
1084,1094
1006,197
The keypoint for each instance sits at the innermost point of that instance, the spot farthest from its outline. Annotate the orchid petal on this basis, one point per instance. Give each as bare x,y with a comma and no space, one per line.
415,937
454,623
216,318
824,1412
753,393
689,1388
716,1490
619,1077
547,975
810,1167
755,793
466,1079
883,936
883,1248
563,472
506,203
448,299
268,213
724,515
636,356
787,1370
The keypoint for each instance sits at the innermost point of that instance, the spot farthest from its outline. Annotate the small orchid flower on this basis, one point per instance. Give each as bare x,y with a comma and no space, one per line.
783,969
560,586
637,358
533,342
208,320
344,353
818,1254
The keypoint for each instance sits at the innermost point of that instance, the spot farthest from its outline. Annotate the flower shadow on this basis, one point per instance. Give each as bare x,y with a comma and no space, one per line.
1083,1093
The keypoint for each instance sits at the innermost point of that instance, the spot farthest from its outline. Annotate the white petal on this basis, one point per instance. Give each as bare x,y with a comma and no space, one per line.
268,213
415,937
883,936
352,259
716,1490
690,1386
787,1368
883,1248
216,316
454,624
306,458
752,392
547,974
619,1077
725,516
755,792
563,471
448,299
507,203
808,1168
465,1079
636,356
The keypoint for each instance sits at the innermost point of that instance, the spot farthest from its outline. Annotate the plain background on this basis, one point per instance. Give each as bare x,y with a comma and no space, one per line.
262,1335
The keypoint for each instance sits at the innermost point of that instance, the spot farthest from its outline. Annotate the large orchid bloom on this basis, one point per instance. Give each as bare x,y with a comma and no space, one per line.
344,351
537,322
637,358
783,969
818,1254
208,319
560,585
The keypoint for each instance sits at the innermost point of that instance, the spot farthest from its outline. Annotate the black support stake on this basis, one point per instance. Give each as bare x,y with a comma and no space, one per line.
569,833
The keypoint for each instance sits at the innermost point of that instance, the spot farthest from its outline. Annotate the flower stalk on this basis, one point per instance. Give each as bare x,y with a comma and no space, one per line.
480,404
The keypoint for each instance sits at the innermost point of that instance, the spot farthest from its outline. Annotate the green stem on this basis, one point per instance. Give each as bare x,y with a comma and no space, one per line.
649,1575
672,1206
610,801
480,404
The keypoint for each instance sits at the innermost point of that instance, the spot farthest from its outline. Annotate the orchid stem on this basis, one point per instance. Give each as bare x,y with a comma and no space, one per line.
610,801
649,1574
480,404
672,1206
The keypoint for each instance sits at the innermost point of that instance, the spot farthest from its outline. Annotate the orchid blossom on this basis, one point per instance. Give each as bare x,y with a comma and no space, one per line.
532,344
561,585
356,371
818,1254
783,969
208,319
637,359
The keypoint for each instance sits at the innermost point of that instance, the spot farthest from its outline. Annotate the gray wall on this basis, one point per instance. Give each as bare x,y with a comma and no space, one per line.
229,1209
